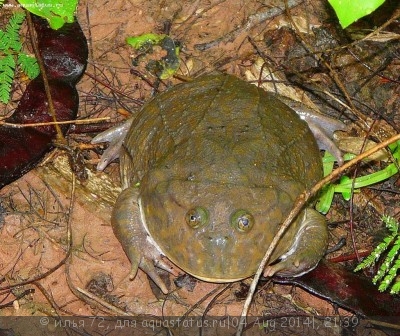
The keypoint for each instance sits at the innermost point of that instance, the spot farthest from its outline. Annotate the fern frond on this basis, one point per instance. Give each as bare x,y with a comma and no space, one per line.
28,65
396,287
389,268
3,40
390,277
375,254
10,55
12,31
7,67
9,38
391,224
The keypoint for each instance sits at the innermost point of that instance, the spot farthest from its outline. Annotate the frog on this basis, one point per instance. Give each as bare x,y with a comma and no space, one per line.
210,169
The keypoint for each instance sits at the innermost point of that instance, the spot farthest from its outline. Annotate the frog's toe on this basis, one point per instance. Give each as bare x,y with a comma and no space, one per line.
323,129
148,263
115,136
270,271
325,142
291,267
147,266
110,154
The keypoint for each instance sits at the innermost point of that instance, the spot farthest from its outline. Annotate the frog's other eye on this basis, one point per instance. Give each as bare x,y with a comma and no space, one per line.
242,220
197,217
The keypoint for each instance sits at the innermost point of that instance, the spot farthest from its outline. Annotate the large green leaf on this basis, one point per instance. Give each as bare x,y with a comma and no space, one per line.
349,11
56,12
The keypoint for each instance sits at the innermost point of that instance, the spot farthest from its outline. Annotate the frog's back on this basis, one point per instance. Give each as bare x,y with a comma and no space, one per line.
228,130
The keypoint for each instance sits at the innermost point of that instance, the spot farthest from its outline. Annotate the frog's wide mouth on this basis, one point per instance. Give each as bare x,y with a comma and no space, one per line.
216,271
216,279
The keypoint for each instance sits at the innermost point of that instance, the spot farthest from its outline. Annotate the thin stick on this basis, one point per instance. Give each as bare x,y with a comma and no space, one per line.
80,121
60,136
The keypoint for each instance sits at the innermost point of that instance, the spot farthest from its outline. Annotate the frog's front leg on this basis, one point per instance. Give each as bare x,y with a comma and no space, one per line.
128,228
308,247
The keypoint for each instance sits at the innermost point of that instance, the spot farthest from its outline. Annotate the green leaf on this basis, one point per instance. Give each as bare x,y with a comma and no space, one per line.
7,67
349,11
3,40
56,12
396,288
9,38
324,202
28,65
12,31
347,192
10,46
346,185
138,42
388,269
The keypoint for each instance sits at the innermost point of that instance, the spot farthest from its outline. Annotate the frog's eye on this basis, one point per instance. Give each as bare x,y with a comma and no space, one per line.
197,217
242,220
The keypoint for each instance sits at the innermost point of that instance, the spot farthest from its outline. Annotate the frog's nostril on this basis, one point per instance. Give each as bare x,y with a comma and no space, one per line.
219,240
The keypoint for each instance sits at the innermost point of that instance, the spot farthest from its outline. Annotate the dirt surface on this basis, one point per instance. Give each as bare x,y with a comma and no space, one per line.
88,270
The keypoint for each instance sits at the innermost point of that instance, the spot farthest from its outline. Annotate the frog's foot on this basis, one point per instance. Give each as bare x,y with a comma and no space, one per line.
321,126
148,261
115,136
306,251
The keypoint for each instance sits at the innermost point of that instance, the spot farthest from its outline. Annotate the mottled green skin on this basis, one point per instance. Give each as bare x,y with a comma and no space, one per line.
223,144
